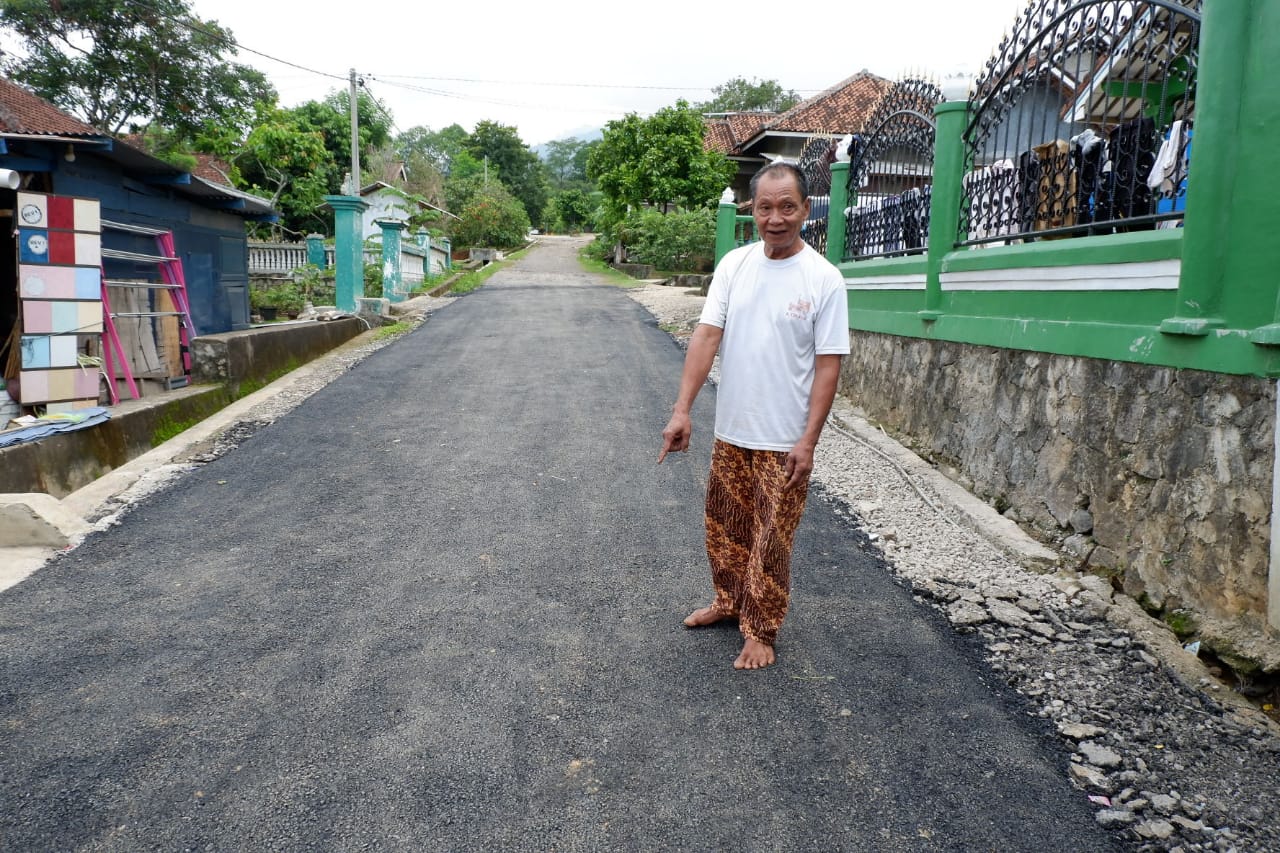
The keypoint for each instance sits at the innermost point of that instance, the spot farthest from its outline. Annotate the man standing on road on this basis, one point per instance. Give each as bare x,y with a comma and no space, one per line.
777,313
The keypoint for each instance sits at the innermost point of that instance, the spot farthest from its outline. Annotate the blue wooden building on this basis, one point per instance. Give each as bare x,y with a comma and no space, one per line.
49,151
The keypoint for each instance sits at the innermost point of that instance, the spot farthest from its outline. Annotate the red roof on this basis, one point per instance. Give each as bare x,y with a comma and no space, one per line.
212,169
843,108
23,112
727,133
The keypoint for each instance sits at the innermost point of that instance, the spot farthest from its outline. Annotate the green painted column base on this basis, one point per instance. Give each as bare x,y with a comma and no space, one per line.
1192,326
1266,336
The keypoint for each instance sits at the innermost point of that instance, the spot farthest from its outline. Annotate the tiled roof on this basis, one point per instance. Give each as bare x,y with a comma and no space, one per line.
212,169
843,108
727,133
23,112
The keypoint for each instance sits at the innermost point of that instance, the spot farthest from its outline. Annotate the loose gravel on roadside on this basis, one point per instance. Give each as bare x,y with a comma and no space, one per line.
1171,762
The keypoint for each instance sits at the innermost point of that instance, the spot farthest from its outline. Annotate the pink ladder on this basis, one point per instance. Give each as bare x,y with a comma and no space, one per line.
172,280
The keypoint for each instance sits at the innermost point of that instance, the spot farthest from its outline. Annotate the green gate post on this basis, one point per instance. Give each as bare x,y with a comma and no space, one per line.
392,265
315,250
835,211
1216,226
348,255
726,222
945,198
448,253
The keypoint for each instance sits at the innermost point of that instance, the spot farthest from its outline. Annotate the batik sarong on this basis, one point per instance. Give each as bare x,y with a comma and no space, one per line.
751,523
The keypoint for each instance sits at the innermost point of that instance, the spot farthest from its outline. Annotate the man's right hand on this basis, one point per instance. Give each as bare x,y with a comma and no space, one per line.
675,438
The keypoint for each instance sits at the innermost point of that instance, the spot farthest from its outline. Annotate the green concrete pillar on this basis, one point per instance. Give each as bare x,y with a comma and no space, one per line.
835,211
726,224
422,238
315,251
448,253
1216,225
392,268
348,258
945,198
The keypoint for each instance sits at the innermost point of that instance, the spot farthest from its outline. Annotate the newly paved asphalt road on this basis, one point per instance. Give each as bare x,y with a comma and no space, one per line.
437,608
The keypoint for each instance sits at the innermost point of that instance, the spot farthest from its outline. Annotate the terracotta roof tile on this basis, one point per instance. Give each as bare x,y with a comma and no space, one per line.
718,136
727,133
843,108
23,112
212,169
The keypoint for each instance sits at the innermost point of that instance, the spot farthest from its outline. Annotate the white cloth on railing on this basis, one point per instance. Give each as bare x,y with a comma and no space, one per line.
993,200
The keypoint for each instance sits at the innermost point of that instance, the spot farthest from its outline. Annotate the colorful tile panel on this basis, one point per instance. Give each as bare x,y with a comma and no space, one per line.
60,287
64,213
44,282
42,386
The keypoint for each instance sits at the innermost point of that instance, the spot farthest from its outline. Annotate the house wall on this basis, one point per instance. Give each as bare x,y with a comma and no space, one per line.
210,242
383,205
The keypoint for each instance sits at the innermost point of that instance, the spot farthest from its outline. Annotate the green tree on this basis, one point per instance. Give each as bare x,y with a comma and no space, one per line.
571,210
742,95
441,146
566,162
658,161
493,217
125,66
285,160
520,169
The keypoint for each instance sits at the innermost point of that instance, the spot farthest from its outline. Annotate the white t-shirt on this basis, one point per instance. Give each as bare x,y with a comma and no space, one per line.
776,316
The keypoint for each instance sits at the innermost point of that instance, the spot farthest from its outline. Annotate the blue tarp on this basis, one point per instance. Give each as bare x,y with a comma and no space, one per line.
52,424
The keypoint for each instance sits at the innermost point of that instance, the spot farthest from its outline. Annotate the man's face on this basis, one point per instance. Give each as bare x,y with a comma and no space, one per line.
779,212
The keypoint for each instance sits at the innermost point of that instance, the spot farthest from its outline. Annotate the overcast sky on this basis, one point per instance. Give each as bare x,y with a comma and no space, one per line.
555,68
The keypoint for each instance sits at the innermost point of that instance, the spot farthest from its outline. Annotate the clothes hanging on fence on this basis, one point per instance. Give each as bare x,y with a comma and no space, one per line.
993,196
1132,152
915,217
1089,160
1168,178
1055,190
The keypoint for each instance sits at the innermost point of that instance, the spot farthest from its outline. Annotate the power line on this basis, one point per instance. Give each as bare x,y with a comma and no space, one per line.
229,42
389,77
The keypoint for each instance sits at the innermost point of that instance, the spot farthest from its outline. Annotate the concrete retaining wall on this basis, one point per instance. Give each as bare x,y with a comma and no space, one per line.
267,352
1159,477
60,464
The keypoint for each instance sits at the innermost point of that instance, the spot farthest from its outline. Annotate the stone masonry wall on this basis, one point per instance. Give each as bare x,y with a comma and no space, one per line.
1156,476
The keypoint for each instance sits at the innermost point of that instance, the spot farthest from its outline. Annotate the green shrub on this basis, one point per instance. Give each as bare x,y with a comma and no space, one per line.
682,241
373,281
493,218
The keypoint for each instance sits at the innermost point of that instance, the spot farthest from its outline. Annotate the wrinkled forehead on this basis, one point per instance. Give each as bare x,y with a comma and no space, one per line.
778,185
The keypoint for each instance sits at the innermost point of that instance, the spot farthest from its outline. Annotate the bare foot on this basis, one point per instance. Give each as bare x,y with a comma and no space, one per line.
755,655
704,616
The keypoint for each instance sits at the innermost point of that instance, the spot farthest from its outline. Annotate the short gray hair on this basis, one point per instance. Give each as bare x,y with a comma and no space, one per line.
779,168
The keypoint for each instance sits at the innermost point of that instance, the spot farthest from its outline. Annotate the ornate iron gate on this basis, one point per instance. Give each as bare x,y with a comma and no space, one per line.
890,175
1082,122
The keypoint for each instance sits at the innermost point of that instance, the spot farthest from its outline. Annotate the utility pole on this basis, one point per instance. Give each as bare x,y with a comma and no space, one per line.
355,138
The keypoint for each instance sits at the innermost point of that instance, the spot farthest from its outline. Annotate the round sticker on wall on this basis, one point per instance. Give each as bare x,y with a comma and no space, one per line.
37,244
33,286
31,213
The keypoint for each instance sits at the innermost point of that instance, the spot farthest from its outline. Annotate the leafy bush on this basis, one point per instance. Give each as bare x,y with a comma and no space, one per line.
373,281
675,241
493,218
285,296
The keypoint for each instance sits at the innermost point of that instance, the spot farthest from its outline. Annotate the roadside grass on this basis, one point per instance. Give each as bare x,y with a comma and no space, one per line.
397,328
599,267
472,280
